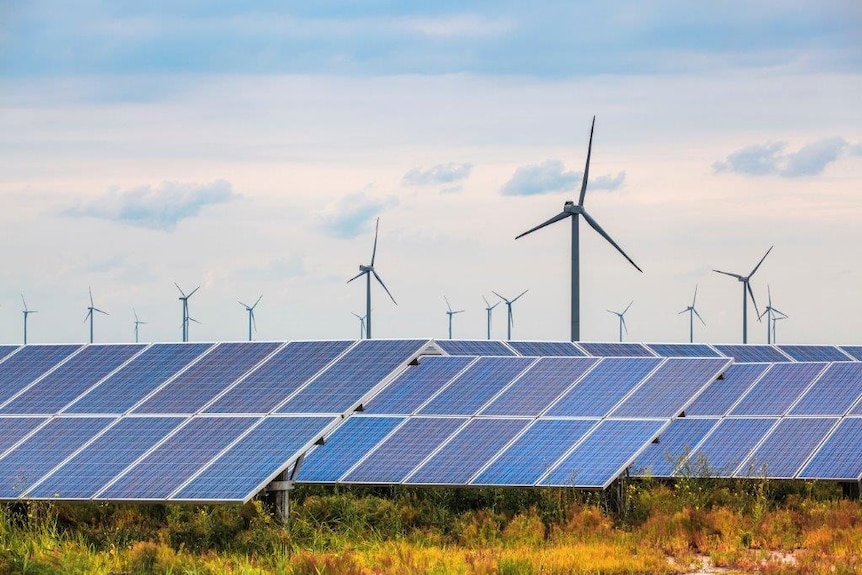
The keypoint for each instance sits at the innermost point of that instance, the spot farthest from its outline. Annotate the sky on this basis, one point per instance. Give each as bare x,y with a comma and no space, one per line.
249,148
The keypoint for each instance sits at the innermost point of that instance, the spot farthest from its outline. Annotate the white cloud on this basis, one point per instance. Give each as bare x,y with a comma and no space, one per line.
440,174
548,177
608,182
350,216
768,159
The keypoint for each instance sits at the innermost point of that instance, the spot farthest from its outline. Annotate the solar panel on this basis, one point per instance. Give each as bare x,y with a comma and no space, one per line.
473,388
344,384
789,446
615,349
282,374
137,379
604,454
417,384
814,353
546,348
721,394
778,389
673,386
530,456
247,466
13,429
6,350
84,474
346,446
728,445
854,351
603,387
748,353
834,393
473,347
198,385
545,381
467,452
27,364
839,457
402,451
675,443
682,350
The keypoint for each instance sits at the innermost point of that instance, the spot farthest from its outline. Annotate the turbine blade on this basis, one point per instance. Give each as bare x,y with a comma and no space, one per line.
24,302
769,294
356,276
253,320
698,316
486,301
751,293
447,303
359,317
89,313
100,311
499,296
557,218
761,261
181,290
257,302
625,327
459,311
91,295
628,306
193,291
737,276
496,304
780,312
595,225
194,320
134,311
587,167
374,251
384,287
242,304
683,311
694,299
519,295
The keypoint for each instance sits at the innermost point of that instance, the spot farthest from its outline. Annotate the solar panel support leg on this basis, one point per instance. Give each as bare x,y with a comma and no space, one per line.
851,489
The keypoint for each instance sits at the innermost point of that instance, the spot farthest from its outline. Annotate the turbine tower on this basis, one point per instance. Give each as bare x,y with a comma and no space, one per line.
250,309
691,313
26,312
746,287
368,271
450,313
775,320
90,315
573,210
137,323
509,303
772,315
622,316
361,319
490,309
186,318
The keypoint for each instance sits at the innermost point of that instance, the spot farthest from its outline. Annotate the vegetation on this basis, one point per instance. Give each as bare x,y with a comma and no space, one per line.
644,527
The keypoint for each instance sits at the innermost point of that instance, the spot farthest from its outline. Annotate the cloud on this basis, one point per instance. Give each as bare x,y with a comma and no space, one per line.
608,182
811,159
452,190
754,160
440,174
545,178
350,217
161,208
768,159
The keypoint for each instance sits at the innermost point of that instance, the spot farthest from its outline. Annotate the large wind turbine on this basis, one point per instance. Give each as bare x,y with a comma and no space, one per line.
137,323
490,309
186,319
691,313
26,312
509,311
450,313
90,315
622,316
573,210
250,309
746,287
772,315
361,319
368,271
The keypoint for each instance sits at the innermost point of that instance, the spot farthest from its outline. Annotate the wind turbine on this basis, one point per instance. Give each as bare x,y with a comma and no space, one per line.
186,318
450,313
509,310
137,323
772,315
622,316
90,315
490,309
746,287
361,319
774,321
691,313
573,210
250,309
26,312
368,271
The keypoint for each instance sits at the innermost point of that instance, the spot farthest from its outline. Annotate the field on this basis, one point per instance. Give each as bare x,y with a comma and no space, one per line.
646,527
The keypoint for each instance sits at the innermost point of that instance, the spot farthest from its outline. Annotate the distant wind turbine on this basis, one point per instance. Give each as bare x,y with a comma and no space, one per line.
622,316
746,287
772,315
450,313
251,322
490,309
186,318
691,313
26,312
368,271
137,323
90,315
361,319
573,210
775,320
510,318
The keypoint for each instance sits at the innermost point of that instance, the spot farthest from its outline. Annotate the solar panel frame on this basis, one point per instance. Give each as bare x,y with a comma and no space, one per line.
778,389
474,347
752,353
676,442
729,444
793,439
15,428
838,458
854,351
614,349
722,394
835,392
546,348
416,385
683,350
814,353
7,350
19,371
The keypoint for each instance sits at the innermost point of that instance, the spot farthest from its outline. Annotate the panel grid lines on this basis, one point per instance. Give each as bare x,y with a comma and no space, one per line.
614,349
418,384
722,395
786,449
834,393
779,389
546,348
28,365
814,353
473,347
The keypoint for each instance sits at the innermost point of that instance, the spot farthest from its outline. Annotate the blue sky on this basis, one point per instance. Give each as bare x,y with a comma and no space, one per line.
250,147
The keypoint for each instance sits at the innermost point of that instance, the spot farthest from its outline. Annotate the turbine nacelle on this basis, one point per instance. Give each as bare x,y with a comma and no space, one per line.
572,208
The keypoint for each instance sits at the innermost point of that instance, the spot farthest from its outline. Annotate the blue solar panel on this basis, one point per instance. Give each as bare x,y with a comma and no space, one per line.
789,445
346,446
814,353
778,389
839,457
138,378
214,372
71,379
728,445
747,353
282,374
255,459
673,386
172,463
546,348
719,397
418,383
530,456
544,382
604,454
82,476
6,350
682,350
29,363
467,452
834,393
675,443
344,384
473,388
473,347
604,387
615,349
13,429
393,459
42,451
854,351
